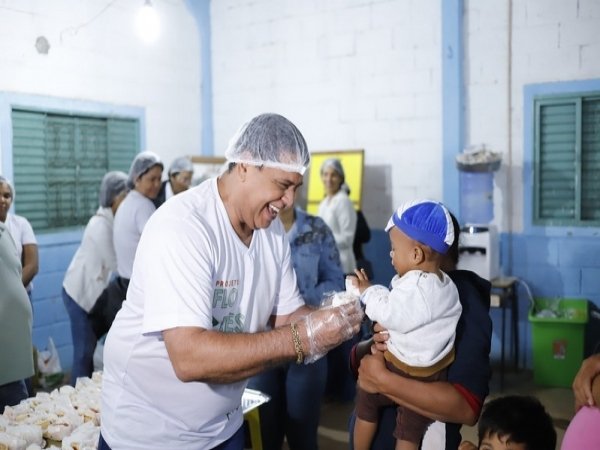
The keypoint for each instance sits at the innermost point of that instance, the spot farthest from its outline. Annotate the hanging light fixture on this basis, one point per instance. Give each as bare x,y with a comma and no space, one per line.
147,23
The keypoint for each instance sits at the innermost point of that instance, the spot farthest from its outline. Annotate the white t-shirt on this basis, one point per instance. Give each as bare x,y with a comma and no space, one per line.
93,262
130,219
191,269
420,312
339,215
22,233
168,190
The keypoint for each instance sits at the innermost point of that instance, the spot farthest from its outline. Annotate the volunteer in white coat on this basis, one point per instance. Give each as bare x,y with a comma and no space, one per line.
89,272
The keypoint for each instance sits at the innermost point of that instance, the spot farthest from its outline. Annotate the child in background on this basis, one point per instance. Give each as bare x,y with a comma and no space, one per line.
514,422
420,313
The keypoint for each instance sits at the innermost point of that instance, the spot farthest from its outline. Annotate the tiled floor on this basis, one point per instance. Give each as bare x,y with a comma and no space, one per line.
333,432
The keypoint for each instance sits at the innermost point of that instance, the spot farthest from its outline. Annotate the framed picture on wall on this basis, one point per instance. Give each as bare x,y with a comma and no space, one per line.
353,164
206,167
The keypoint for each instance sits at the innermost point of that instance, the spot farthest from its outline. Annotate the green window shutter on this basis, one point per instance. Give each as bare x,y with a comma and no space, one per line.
29,167
123,143
590,157
61,176
556,162
567,160
77,159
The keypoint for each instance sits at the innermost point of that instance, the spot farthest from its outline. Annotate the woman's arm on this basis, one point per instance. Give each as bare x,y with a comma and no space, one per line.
582,384
30,263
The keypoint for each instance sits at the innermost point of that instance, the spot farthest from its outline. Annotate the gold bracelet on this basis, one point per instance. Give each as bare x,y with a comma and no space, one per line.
297,344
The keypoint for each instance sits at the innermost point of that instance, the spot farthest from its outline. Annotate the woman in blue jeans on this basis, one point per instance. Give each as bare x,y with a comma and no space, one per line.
296,390
459,399
90,271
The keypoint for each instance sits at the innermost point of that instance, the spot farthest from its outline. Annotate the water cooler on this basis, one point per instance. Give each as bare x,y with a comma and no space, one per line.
479,245
479,250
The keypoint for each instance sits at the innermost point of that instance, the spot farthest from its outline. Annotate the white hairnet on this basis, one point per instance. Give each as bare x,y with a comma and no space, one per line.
336,165
113,183
4,180
142,163
181,164
269,140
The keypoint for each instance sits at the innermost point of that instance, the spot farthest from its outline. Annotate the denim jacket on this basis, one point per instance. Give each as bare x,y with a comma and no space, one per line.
315,258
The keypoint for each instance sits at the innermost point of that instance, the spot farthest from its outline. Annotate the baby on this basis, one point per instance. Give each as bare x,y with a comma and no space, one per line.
420,313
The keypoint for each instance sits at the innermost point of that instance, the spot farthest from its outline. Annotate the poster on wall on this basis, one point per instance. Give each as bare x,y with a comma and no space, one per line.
353,164
206,167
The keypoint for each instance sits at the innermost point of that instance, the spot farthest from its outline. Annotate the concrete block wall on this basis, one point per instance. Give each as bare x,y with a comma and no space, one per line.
50,318
95,65
350,74
95,56
548,41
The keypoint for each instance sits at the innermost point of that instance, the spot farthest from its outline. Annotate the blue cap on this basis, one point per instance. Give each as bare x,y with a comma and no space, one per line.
425,221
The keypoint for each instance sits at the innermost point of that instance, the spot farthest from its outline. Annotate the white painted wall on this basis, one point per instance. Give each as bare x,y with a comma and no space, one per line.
367,74
551,40
95,56
350,74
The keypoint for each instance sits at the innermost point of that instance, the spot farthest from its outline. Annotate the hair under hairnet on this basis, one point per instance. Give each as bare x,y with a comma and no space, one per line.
4,180
142,163
181,164
336,165
270,140
113,183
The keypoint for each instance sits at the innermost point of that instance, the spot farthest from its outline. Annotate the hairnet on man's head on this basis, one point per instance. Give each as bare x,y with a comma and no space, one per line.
113,183
270,140
4,180
142,163
334,164
181,164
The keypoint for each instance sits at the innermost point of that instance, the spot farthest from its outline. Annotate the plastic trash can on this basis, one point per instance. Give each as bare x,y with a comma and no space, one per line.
558,331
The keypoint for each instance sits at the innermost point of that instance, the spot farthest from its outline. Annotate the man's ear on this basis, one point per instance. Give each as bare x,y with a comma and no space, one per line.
242,170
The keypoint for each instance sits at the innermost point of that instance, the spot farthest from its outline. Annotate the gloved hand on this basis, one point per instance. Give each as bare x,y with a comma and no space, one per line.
328,327
351,294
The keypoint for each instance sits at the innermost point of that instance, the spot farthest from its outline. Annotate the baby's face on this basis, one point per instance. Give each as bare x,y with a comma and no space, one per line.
401,254
493,442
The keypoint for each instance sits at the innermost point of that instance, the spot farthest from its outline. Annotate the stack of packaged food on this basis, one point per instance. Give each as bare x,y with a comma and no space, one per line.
67,418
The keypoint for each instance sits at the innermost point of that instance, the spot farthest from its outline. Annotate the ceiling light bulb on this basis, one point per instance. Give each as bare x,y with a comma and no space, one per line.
147,23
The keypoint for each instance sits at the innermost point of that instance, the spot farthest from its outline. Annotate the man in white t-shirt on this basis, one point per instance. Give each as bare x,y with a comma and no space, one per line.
212,301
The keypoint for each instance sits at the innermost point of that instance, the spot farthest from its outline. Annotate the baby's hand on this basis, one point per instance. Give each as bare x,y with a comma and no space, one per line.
360,281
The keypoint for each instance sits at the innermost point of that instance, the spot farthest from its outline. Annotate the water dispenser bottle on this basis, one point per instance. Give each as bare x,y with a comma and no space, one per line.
477,184
477,197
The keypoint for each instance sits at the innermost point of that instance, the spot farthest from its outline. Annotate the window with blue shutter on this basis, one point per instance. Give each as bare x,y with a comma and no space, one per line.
59,161
567,160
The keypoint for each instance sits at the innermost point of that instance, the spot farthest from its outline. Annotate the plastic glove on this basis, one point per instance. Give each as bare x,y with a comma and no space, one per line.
328,327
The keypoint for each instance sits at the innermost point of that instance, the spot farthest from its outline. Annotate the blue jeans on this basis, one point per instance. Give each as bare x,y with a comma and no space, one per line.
341,385
235,442
12,393
294,410
84,339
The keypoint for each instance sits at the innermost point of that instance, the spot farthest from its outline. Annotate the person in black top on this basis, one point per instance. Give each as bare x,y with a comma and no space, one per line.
362,236
181,172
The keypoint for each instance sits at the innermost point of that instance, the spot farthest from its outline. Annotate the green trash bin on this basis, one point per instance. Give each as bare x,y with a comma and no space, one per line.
558,331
